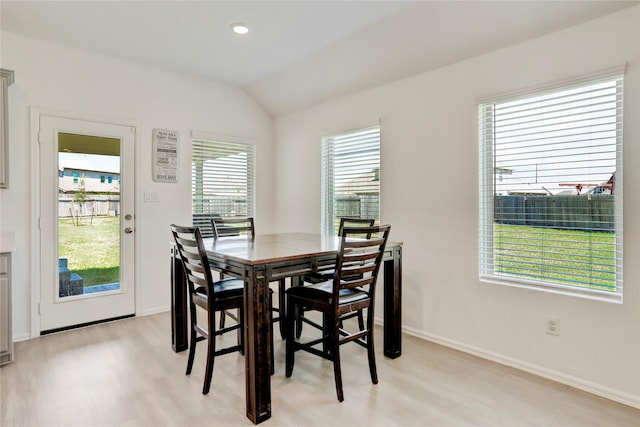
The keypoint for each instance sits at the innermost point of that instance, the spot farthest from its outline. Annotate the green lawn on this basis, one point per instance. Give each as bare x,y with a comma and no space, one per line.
576,258
92,248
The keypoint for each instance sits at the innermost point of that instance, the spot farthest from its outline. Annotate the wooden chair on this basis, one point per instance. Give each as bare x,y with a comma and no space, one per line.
323,276
227,227
210,296
351,289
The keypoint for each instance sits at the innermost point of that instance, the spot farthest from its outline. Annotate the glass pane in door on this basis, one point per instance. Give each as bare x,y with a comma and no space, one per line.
88,215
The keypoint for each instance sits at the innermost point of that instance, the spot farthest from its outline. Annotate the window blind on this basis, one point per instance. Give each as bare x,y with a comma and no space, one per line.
551,188
350,177
222,181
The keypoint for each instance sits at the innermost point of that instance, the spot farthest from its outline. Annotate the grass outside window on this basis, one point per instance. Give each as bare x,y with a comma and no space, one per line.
92,248
584,259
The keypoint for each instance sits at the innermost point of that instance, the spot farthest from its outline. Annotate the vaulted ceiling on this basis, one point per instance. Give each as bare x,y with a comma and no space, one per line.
297,53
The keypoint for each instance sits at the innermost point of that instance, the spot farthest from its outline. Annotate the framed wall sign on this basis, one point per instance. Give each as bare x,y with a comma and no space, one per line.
165,155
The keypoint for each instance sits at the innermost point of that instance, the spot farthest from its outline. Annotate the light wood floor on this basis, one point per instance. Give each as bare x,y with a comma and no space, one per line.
125,374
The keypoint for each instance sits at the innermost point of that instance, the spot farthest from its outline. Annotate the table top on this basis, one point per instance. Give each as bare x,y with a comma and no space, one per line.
266,248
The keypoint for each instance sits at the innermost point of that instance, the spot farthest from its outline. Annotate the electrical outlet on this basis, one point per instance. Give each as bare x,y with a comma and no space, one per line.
553,325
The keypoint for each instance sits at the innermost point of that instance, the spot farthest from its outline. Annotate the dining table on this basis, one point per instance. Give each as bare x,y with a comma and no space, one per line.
267,258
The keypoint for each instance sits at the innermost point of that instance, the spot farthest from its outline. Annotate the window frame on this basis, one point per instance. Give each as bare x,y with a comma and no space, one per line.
487,189
217,146
329,215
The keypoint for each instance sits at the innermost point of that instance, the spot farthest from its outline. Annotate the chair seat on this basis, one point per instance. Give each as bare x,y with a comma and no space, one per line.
318,277
324,292
223,289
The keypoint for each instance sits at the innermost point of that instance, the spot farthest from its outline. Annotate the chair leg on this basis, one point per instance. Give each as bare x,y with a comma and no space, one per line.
241,330
327,346
192,351
290,332
223,315
371,353
299,312
282,306
335,352
208,373
240,321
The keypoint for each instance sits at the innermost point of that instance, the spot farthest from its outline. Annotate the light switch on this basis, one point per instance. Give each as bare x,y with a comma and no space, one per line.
151,196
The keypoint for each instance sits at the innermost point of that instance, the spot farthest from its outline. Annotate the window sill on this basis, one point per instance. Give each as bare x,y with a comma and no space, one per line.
611,297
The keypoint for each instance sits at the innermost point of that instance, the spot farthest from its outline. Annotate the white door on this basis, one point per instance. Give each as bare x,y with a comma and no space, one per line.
86,221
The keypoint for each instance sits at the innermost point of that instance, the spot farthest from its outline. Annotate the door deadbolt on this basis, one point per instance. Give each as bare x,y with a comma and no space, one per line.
128,217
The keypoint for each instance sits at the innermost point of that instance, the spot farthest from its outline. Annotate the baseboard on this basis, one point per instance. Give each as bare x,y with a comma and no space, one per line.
156,310
21,337
578,383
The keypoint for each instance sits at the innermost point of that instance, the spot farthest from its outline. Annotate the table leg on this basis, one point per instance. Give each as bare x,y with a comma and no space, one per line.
393,305
257,339
179,335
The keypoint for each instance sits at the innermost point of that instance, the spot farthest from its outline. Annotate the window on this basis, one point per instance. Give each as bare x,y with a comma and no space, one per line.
222,180
350,177
76,175
109,179
102,179
551,189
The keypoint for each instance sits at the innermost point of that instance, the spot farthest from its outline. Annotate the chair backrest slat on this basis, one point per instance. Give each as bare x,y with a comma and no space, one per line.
356,283
359,257
358,269
225,227
356,222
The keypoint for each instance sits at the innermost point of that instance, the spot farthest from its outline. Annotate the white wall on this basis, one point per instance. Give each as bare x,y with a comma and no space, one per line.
73,81
429,193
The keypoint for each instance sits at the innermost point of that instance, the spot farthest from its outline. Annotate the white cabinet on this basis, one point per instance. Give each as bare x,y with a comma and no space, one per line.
6,334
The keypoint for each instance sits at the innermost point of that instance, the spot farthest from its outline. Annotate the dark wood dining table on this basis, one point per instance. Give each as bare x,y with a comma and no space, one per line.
264,259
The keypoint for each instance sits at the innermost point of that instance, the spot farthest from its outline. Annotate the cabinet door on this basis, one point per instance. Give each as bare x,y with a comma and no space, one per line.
6,341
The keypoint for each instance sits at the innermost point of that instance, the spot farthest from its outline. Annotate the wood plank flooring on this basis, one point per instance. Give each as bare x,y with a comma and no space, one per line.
124,373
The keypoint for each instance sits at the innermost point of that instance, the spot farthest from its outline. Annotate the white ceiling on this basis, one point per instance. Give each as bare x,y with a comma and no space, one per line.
297,53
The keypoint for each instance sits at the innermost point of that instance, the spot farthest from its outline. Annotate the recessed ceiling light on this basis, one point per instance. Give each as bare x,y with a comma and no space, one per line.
239,28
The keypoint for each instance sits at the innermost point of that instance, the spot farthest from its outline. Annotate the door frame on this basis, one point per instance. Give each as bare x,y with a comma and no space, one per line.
35,282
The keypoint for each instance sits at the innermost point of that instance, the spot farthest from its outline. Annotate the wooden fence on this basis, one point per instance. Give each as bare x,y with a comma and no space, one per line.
94,205
589,212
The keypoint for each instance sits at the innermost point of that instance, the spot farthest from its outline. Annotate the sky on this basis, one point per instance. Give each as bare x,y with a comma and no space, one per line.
89,161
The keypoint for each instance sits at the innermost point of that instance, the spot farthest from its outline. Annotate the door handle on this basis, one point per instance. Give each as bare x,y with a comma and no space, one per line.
128,230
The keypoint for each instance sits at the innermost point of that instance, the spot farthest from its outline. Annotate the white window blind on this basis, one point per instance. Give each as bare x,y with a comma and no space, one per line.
222,181
350,177
551,189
